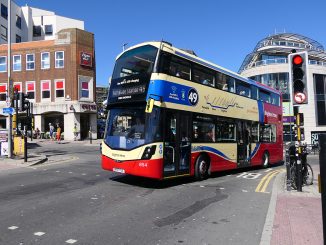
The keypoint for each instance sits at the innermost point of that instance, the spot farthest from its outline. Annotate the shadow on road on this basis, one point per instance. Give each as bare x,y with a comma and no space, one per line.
161,184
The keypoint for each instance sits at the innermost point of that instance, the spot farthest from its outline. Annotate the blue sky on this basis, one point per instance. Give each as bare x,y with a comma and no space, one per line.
223,32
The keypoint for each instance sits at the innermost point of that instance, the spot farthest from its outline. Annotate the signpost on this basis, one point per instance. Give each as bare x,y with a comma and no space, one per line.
8,110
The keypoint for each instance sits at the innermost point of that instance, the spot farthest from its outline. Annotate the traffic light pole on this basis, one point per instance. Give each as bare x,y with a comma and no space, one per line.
9,85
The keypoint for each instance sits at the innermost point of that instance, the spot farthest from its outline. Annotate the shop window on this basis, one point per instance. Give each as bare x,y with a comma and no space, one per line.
18,87
17,63
30,62
30,90
3,91
59,59
46,89
59,89
45,60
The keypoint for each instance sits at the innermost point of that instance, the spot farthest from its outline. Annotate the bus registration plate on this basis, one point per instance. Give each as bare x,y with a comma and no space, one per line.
119,170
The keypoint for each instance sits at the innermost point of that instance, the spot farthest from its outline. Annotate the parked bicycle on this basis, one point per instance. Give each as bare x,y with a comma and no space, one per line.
307,172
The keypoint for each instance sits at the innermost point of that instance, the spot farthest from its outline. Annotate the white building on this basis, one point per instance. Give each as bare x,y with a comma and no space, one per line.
32,24
268,64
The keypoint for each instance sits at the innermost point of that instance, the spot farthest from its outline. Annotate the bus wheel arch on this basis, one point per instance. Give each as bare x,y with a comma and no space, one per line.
202,167
266,159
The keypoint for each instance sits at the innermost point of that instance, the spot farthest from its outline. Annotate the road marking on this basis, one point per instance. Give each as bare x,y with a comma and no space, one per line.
13,227
71,241
39,233
261,187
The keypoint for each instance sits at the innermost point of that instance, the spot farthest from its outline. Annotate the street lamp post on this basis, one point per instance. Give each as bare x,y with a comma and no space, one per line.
9,84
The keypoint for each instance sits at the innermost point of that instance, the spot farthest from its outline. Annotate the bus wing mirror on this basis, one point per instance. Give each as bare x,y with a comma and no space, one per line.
149,106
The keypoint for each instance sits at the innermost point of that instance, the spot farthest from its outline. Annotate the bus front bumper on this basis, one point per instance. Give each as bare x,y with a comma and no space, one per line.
145,168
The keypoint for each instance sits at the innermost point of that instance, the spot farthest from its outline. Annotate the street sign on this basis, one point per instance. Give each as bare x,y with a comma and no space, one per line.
9,110
300,97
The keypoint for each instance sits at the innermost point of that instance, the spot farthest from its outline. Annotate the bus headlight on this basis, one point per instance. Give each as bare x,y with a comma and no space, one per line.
149,152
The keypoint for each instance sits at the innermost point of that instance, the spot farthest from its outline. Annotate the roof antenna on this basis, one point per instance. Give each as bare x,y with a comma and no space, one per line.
124,46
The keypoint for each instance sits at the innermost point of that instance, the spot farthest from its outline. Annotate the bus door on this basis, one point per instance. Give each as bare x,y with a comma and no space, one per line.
177,143
243,129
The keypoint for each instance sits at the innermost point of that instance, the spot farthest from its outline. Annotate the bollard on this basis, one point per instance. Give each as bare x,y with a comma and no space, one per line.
322,166
25,144
90,134
299,174
288,170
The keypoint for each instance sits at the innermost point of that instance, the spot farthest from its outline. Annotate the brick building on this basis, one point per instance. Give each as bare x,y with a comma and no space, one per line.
59,76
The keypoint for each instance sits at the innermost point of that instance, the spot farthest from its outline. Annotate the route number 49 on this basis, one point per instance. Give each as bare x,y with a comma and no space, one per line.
193,96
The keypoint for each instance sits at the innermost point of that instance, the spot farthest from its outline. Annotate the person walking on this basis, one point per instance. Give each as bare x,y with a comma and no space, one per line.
75,131
58,135
51,131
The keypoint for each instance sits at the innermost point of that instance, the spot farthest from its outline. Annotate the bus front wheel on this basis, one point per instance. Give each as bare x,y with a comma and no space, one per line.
265,159
201,170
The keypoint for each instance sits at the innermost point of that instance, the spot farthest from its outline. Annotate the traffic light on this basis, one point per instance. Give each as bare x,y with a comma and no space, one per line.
299,129
23,103
298,77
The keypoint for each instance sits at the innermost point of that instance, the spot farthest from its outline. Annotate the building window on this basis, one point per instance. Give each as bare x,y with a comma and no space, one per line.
48,30
45,60
46,89
37,31
3,91
4,32
84,90
30,90
18,39
59,59
19,22
30,62
320,97
18,87
17,63
59,89
3,63
4,11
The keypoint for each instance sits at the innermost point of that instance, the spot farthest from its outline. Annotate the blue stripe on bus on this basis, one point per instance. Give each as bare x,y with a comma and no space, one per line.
261,111
213,150
255,151
169,92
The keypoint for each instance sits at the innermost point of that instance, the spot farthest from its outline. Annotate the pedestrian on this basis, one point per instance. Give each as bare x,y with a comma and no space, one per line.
58,135
51,130
75,131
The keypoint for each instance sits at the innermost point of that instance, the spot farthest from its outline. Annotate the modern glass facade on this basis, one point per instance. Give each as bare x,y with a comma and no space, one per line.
268,64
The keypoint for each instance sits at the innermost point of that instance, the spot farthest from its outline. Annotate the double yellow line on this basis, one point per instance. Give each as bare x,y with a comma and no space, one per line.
267,178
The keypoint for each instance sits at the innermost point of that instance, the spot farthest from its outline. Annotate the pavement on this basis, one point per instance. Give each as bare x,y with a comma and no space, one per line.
294,217
37,158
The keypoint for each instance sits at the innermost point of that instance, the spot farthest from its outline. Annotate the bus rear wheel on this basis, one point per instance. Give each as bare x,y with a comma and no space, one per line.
265,159
201,168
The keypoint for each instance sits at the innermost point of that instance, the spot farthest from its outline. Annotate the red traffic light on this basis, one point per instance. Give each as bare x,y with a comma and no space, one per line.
297,60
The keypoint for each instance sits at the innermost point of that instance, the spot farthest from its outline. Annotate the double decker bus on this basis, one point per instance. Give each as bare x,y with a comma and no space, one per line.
171,113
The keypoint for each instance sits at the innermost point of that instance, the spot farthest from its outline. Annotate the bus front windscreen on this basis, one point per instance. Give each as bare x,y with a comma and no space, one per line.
135,61
128,128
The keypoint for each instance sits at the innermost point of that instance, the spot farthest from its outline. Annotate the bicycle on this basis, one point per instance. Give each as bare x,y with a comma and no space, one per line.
307,172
